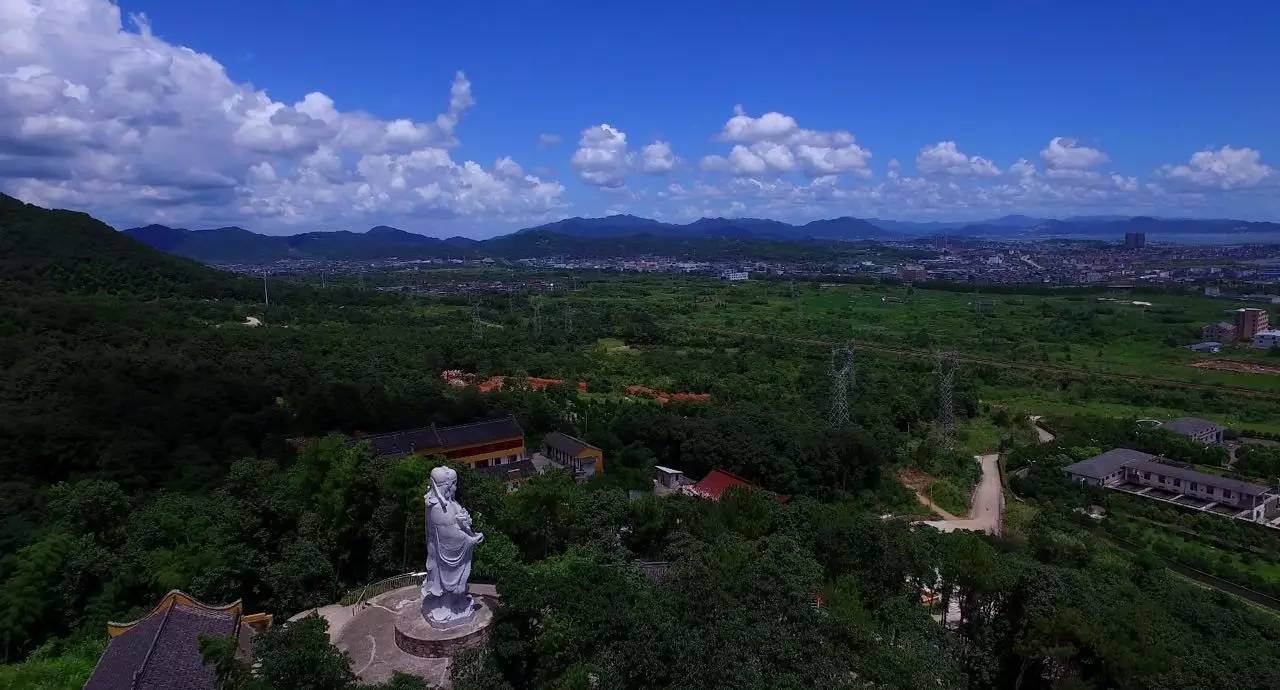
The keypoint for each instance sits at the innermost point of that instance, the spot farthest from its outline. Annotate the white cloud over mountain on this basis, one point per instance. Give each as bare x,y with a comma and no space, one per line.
94,115
1225,169
1064,153
943,158
108,117
604,159
773,143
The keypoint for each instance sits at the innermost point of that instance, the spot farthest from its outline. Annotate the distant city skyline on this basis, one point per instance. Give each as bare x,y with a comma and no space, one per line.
477,121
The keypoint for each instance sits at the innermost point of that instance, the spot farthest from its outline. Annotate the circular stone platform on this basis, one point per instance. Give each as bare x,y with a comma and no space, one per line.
371,637
416,636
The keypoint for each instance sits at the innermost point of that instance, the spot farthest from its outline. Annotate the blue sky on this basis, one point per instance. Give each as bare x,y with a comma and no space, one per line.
916,110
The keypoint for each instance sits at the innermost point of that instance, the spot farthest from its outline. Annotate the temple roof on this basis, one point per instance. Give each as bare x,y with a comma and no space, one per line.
161,651
566,443
433,438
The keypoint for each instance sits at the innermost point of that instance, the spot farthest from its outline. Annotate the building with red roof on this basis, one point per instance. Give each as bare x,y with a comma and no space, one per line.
719,481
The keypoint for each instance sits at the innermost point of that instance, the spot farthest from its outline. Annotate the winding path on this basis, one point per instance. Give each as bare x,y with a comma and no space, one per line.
988,502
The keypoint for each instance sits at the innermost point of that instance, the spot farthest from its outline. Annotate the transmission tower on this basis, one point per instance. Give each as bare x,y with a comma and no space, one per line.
537,318
476,324
841,374
568,320
946,373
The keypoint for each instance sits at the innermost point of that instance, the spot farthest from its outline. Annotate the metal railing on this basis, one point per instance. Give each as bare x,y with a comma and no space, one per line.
383,586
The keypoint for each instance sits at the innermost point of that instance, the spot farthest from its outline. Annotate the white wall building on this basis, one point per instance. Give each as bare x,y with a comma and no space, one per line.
1267,339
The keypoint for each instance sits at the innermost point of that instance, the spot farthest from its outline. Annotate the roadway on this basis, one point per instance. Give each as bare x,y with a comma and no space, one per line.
988,502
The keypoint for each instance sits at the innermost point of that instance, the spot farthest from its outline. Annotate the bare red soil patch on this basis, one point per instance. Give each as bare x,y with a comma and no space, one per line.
1236,365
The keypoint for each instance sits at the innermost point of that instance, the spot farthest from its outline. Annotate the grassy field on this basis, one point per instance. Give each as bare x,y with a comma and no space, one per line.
1077,331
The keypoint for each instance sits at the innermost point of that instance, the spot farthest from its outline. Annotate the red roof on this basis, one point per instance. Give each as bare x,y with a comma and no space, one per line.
664,397
717,482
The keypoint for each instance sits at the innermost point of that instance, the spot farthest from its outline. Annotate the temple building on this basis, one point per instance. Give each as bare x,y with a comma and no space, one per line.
580,458
161,650
489,443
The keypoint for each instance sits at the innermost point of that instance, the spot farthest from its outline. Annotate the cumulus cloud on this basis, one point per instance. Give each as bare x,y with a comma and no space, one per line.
774,143
116,120
602,157
1064,153
658,158
1225,169
943,158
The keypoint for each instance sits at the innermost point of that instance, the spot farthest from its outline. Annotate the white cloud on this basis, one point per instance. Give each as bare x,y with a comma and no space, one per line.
1224,169
658,158
943,158
546,141
744,161
1064,153
122,123
774,144
602,157
770,126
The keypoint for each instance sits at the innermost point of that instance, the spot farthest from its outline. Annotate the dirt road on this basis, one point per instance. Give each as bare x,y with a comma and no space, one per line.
988,502
1043,434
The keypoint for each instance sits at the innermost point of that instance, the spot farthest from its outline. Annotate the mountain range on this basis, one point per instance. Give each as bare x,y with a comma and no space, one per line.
621,235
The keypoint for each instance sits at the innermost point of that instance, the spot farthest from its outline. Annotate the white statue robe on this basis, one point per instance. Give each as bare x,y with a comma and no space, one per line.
450,542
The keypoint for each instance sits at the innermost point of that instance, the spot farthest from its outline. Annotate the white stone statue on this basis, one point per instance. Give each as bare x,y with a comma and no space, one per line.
450,542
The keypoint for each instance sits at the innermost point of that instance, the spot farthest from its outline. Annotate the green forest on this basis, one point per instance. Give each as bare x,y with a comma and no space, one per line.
154,441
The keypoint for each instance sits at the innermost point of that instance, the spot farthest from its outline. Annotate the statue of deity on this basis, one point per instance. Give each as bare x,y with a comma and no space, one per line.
450,542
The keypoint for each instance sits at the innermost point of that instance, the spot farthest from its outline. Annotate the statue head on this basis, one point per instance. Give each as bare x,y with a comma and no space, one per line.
444,482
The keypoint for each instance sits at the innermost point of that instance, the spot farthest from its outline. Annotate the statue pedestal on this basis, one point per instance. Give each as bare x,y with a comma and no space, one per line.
416,636
449,611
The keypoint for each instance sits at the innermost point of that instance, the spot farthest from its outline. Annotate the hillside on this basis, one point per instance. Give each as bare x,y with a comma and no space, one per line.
72,251
237,245
705,238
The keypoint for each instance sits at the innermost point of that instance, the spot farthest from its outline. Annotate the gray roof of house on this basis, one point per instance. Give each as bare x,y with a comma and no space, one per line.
1201,477
520,469
426,438
1190,426
162,652
566,443
1108,463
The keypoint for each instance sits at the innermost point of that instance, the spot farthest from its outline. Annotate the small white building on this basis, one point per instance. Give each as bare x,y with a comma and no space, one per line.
736,275
1265,340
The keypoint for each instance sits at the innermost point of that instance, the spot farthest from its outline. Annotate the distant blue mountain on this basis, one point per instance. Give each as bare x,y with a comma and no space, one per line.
837,229
622,235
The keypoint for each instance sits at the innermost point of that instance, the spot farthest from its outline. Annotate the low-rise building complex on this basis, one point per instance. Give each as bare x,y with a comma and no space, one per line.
1148,475
1197,429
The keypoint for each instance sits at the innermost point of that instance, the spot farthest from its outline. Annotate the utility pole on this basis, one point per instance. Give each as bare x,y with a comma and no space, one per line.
476,324
266,301
841,374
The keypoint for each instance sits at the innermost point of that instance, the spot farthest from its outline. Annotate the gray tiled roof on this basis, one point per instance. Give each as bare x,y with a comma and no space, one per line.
566,443
1190,426
520,469
1205,478
1108,463
430,437
162,651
